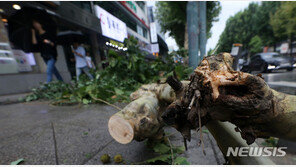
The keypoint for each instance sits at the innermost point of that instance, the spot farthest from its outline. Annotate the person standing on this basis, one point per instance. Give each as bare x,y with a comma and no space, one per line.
45,42
81,62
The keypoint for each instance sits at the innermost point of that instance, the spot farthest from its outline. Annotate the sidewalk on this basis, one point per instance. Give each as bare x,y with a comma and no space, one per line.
45,134
13,98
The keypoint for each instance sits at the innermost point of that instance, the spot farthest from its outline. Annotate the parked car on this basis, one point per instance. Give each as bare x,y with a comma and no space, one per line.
266,62
241,63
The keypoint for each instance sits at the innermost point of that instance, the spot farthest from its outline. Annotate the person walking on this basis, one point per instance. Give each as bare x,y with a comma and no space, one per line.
45,42
90,63
81,62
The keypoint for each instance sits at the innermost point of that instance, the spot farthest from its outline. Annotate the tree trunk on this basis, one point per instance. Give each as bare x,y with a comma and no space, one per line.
186,37
226,136
291,48
141,118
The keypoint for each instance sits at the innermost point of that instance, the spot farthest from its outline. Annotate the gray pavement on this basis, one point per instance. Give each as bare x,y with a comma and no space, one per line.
12,98
45,134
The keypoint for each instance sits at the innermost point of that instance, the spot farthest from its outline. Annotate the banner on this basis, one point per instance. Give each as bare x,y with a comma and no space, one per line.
153,32
111,26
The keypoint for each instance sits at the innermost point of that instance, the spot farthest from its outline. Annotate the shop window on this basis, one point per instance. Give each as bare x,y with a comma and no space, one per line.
145,32
150,14
140,30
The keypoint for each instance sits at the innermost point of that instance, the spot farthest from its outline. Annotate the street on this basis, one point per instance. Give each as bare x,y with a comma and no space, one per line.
282,81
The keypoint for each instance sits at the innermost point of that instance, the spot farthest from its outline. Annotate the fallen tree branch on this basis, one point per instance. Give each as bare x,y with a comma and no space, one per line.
240,98
215,92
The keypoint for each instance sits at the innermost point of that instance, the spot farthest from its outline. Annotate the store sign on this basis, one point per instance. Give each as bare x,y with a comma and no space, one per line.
22,61
111,26
155,48
284,48
153,32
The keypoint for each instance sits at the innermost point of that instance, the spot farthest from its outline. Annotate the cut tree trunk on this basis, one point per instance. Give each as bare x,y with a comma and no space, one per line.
141,118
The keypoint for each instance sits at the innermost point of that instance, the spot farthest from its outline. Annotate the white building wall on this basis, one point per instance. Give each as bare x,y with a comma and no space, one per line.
135,34
142,14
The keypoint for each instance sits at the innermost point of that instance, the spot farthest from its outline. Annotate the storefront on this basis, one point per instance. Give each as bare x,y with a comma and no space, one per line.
8,64
21,71
114,32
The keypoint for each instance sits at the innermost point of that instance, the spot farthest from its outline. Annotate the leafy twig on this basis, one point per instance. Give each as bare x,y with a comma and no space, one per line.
101,100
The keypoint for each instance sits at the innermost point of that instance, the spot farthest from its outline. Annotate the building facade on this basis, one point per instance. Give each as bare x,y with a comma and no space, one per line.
155,30
69,16
133,14
75,16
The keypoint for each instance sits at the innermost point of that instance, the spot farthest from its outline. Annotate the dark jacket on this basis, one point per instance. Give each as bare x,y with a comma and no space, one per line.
47,51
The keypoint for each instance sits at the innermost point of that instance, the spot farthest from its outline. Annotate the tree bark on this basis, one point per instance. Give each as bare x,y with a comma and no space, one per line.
186,37
141,118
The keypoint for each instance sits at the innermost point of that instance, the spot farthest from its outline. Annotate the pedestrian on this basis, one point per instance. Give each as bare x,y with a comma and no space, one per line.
45,42
81,62
90,63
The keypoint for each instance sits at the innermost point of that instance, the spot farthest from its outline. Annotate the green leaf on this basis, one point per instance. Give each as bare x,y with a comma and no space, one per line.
90,88
181,161
129,65
85,101
118,91
113,63
205,131
143,78
17,161
161,148
179,150
163,158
